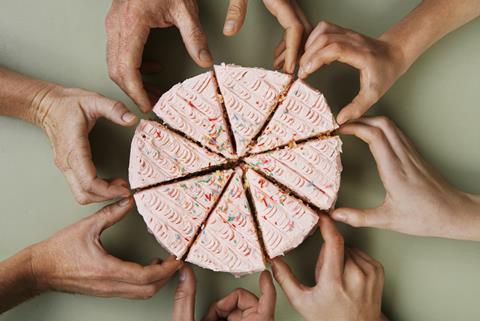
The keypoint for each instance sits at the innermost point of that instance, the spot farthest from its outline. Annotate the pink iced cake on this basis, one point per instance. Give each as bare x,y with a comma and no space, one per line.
158,155
238,169
174,212
194,108
311,170
284,220
250,95
304,113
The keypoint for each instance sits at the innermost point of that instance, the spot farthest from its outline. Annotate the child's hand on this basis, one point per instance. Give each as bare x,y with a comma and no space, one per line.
238,305
349,286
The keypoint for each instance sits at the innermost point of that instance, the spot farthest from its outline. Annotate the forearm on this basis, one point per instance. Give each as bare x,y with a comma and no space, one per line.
470,229
21,96
428,23
17,282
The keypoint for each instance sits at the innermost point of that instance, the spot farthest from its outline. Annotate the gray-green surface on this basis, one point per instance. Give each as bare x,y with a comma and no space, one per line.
436,103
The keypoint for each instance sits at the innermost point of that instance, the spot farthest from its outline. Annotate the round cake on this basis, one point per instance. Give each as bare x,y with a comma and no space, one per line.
238,167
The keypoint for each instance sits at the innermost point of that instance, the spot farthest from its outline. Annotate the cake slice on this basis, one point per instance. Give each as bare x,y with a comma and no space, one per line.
174,212
311,170
229,242
194,108
250,95
158,155
284,220
303,114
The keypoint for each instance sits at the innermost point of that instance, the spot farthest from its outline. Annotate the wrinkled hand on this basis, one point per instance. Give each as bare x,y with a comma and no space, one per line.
70,114
380,63
239,305
73,260
128,25
349,287
290,17
418,200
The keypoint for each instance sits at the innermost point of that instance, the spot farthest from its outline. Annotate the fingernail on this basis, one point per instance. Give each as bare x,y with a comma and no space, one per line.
229,26
339,216
205,55
124,202
301,72
307,67
183,275
128,117
341,119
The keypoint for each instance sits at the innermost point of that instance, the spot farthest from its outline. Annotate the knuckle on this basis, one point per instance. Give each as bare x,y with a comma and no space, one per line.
235,9
82,198
336,47
298,27
376,134
196,34
338,240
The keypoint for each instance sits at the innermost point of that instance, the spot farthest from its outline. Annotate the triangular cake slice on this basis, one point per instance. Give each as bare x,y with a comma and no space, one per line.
250,95
229,242
311,170
194,108
304,113
174,212
158,155
284,220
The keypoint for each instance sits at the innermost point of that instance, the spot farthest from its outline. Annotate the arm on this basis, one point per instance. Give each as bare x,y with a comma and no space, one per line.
382,61
418,200
67,116
74,261
17,283
349,283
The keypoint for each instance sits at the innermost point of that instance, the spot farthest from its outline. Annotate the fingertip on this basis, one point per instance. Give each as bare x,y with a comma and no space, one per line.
129,118
340,216
126,202
205,58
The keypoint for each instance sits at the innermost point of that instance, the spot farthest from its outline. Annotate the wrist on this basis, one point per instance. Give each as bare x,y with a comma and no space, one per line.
42,104
40,265
399,56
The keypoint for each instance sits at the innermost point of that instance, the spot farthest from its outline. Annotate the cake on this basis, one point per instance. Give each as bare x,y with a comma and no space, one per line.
238,169
310,170
158,155
283,220
229,241
174,212
304,113
194,108
250,96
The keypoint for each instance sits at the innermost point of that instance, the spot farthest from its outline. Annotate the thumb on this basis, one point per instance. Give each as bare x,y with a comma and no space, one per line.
111,214
114,111
237,9
193,36
371,217
184,299
359,106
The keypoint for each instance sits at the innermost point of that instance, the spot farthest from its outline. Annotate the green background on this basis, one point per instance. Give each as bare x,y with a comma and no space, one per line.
436,103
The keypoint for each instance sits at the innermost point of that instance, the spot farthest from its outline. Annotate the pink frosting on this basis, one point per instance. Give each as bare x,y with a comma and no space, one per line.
194,108
250,95
158,155
229,241
174,212
284,220
303,114
312,169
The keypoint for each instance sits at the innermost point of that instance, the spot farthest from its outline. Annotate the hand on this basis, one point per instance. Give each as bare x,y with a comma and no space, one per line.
290,17
348,288
73,260
242,305
380,63
68,117
418,200
128,24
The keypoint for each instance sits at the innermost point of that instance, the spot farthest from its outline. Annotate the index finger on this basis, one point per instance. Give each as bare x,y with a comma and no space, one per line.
134,273
80,162
333,257
128,76
266,304
288,19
